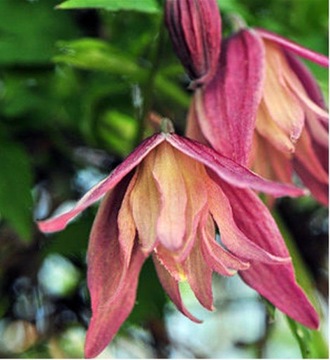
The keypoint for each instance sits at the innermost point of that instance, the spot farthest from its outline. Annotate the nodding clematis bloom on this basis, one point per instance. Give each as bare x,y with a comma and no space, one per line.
195,32
264,109
167,200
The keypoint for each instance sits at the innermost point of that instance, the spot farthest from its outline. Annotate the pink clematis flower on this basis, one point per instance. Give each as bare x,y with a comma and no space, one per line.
166,200
195,31
264,109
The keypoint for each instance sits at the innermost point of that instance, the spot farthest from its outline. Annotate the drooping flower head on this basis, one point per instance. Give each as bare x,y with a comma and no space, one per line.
195,31
263,108
168,199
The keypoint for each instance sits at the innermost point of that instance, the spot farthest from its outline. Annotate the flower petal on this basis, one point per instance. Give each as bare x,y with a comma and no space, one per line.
270,163
280,100
306,156
112,286
310,84
268,128
294,47
319,190
218,258
59,222
226,108
144,202
171,287
126,224
110,314
276,283
171,226
232,237
228,170
199,276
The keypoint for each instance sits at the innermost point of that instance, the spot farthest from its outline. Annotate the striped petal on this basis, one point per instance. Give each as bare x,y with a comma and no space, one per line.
275,282
172,289
226,108
59,222
229,170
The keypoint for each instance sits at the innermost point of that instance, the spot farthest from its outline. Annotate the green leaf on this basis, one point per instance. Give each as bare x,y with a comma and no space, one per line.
149,6
92,54
28,30
15,189
118,130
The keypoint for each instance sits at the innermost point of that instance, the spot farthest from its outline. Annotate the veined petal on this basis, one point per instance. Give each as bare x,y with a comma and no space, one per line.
318,189
228,170
277,284
112,285
233,238
109,315
281,102
270,163
294,47
267,127
171,225
199,275
59,222
126,224
306,155
194,175
219,259
308,81
172,289
104,258
145,204
168,260
226,108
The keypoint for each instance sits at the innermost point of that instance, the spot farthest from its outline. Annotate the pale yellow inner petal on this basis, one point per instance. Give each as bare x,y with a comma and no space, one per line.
144,202
166,171
281,102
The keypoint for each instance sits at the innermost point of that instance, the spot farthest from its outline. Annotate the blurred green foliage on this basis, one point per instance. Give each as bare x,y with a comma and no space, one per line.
75,88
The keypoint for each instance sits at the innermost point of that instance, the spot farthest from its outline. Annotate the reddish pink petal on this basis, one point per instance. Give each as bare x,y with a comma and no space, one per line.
219,259
199,276
305,155
228,170
112,286
232,237
319,190
294,47
227,107
110,314
276,283
195,31
59,222
171,287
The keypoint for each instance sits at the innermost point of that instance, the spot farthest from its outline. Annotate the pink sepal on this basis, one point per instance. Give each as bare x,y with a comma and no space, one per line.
294,47
59,222
275,282
230,171
112,285
226,108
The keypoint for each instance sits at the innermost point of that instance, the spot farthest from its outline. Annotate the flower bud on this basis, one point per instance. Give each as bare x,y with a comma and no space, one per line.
195,31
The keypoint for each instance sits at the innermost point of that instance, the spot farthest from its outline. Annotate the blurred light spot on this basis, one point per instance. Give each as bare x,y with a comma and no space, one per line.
58,276
18,336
